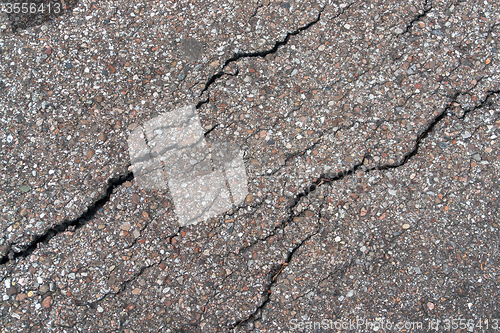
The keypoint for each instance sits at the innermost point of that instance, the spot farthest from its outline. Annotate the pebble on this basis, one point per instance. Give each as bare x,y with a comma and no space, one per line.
466,135
90,153
47,301
125,226
406,226
12,291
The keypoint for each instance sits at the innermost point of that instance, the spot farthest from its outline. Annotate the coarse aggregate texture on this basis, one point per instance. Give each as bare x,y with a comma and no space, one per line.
370,138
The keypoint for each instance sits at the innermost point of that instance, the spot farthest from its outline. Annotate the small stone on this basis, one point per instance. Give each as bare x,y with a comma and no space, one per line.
406,226
24,188
125,226
136,291
44,289
102,137
338,239
363,249
430,306
46,302
69,65
12,291
477,157
90,153
48,50
214,64
321,48
466,135
21,297
249,197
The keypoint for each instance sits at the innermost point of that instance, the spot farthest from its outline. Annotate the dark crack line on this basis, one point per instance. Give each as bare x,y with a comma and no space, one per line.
273,278
262,54
201,103
483,103
124,284
295,201
73,224
210,130
323,179
418,17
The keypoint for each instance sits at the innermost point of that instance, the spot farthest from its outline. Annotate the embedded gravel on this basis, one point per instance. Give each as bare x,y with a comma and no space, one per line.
370,139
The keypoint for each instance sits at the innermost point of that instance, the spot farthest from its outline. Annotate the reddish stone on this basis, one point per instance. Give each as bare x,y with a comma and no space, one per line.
46,302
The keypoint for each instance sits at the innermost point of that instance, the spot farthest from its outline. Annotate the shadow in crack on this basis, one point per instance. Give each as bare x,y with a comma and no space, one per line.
23,14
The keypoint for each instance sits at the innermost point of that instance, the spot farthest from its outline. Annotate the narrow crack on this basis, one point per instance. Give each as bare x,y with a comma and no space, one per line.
273,278
125,283
201,103
262,54
418,17
323,179
75,223
483,103
210,130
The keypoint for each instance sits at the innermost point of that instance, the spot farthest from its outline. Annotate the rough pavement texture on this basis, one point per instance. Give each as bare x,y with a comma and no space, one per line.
370,131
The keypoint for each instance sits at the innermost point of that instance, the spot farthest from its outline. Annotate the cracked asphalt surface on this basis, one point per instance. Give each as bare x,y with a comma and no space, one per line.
370,138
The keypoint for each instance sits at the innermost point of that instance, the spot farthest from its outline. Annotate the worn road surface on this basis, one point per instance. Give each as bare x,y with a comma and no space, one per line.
369,132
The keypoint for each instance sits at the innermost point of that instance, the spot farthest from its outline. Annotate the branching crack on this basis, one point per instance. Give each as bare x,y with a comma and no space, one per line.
273,277
74,224
328,179
262,54
125,283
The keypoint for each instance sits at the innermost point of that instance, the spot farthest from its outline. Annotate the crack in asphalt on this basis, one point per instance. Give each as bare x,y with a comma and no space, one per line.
325,179
275,272
75,223
125,283
262,54
273,275
418,17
